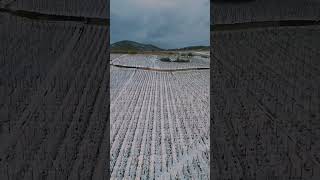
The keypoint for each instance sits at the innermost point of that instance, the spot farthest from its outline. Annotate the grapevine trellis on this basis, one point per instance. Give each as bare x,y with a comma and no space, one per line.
159,120
265,90
54,89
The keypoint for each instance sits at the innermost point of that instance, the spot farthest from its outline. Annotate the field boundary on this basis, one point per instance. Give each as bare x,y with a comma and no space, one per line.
53,17
262,24
157,69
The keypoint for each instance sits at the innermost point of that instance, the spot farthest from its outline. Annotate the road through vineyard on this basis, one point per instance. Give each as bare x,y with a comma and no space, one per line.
159,122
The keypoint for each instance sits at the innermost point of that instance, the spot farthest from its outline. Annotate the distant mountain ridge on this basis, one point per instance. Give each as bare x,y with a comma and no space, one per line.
133,46
126,46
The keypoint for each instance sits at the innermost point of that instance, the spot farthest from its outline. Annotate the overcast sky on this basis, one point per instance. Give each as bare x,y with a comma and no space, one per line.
165,23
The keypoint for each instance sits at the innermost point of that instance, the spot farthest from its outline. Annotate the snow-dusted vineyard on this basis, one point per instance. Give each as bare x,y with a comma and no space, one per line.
265,103
84,8
152,61
54,78
264,10
159,123
115,56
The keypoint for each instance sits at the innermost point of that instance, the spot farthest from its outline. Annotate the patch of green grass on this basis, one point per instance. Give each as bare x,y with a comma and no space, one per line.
165,59
132,52
190,54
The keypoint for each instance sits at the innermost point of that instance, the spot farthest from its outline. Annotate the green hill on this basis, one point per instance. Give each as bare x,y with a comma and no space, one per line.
131,46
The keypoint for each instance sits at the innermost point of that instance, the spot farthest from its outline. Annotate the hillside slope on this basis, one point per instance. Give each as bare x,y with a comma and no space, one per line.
133,46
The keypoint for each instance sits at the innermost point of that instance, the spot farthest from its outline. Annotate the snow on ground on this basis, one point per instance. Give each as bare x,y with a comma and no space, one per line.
54,104
159,122
265,103
152,61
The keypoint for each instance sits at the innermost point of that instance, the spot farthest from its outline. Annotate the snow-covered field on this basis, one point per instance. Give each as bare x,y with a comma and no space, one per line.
261,10
152,61
265,103
53,100
159,120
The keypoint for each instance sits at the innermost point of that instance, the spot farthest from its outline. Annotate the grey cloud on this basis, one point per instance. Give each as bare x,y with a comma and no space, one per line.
168,24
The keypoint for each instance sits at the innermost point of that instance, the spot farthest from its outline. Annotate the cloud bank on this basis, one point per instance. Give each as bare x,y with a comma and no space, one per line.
165,23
